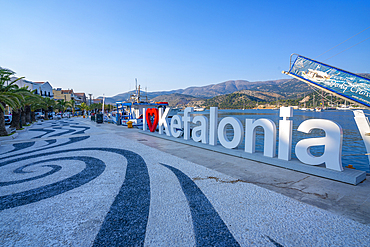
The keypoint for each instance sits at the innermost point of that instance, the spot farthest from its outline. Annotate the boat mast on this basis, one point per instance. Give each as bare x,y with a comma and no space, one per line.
322,99
138,95
102,109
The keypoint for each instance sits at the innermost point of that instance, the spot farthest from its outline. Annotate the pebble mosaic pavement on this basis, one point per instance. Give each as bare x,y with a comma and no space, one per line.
72,182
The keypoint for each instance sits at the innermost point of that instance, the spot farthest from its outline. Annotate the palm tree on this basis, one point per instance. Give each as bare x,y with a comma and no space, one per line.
19,113
83,107
96,107
72,105
61,105
48,104
8,96
30,100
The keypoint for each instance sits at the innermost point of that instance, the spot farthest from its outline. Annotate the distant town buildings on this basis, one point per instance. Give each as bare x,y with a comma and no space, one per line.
97,101
45,89
68,95
65,95
82,97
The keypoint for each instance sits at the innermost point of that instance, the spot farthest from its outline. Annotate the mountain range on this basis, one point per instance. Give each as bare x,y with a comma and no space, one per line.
282,88
286,87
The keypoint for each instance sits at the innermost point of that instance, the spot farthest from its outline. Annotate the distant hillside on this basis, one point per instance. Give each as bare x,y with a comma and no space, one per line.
227,87
217,89
241,99
287,88
176,99
262,96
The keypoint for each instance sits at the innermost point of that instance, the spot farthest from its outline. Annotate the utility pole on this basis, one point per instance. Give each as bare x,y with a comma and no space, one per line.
90,94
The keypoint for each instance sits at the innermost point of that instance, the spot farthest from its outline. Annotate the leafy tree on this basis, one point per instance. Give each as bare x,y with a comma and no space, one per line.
72,104
47,105
61,105
96,107
8,96
30,101
18,112
83,107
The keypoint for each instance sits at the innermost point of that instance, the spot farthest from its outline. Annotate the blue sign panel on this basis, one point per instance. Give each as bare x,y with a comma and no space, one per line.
343,83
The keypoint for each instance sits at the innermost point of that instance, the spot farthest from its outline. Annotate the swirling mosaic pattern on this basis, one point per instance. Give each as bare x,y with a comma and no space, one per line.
71,183
127,218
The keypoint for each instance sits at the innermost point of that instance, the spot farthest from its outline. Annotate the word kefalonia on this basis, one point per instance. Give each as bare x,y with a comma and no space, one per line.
207,131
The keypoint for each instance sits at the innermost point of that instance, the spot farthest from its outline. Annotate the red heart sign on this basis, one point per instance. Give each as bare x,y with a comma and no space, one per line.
148,114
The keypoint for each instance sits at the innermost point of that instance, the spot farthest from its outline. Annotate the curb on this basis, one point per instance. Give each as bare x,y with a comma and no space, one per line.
6,138
15,135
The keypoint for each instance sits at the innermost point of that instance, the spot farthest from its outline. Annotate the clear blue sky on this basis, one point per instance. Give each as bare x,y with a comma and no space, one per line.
100,47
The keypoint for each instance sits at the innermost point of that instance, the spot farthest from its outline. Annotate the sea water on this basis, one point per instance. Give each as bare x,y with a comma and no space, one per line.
353,147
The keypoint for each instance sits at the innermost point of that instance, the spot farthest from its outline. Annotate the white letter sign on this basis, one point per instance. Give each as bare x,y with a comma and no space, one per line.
200,133
238,130
285,133
269,128
176,126
163,121
332,142
187,119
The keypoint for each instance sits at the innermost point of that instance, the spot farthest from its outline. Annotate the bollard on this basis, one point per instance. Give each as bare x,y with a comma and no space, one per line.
129,124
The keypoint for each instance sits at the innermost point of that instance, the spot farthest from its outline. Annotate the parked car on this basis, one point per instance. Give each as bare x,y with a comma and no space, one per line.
58,116
51,115
67,115
8,119
39,115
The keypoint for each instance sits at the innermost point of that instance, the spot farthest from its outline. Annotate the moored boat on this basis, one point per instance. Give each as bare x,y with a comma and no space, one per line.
198,108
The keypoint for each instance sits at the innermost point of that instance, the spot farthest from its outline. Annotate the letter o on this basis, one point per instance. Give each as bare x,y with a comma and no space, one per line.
238,130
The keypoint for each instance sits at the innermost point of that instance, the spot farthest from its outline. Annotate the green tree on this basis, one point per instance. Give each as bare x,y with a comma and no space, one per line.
72,105
84,107
8,96
96,107
19,112
47,105
61,105
30,101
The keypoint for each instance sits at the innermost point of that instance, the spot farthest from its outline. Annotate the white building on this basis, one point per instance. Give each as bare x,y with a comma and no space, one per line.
41,88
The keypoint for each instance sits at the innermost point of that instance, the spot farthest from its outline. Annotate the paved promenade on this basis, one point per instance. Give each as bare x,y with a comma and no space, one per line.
72,182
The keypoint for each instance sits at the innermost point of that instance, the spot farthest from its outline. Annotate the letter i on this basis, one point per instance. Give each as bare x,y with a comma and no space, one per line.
285,133
213,121
144,119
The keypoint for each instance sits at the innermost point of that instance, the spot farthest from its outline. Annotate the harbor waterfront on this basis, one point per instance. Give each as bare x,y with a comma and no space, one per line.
79,183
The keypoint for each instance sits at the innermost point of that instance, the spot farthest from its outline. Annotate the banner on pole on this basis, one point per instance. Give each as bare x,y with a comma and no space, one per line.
337,81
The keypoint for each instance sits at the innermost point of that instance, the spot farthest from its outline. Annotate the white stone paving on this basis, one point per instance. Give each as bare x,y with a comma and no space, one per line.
255,216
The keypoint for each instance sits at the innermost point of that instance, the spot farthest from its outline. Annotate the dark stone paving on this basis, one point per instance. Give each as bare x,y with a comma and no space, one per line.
94,168
209,228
